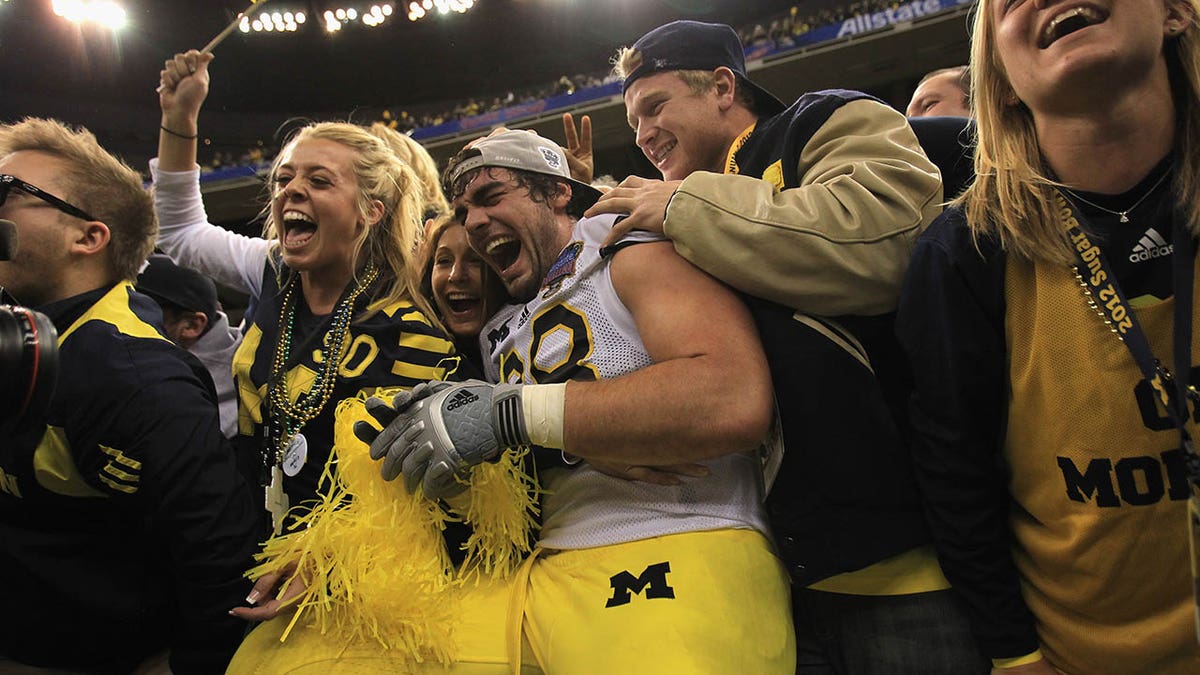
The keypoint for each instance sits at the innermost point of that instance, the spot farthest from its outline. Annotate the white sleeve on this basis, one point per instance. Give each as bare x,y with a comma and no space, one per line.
185,234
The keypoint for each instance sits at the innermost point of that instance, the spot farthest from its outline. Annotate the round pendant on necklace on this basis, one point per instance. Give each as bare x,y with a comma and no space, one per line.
296,455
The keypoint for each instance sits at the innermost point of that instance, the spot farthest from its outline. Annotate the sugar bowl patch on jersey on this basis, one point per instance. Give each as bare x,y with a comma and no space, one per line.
562,268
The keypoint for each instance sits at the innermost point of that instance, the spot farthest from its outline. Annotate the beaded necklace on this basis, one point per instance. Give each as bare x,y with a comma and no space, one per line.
290,417
287,418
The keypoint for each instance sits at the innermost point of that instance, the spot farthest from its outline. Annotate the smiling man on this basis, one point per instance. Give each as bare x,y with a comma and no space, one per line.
618,358
810,210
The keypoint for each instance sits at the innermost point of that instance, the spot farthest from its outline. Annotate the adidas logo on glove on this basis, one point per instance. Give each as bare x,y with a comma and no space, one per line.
461,398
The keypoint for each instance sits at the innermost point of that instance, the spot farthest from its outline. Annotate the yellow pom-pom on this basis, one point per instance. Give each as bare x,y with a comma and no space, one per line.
373,556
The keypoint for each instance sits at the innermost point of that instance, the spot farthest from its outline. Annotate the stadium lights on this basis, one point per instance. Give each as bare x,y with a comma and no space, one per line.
332,20
419,10
283,22
335,18
102,12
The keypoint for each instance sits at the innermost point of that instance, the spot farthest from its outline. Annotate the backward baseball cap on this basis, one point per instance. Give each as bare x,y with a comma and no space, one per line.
695,45
516,149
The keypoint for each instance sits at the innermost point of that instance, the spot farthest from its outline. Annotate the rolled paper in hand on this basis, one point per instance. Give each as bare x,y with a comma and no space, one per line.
212,44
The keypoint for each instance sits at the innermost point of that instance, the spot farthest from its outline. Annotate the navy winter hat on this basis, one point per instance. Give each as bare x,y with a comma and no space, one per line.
694,45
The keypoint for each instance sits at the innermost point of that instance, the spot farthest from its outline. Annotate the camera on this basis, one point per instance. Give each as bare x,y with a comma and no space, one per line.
28,356
28,365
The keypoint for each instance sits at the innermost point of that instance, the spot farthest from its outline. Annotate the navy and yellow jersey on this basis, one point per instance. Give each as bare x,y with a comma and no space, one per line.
125,527
1054,482
397,346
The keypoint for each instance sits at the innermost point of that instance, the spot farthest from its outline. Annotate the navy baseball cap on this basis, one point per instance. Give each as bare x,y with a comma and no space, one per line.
167,282
694,45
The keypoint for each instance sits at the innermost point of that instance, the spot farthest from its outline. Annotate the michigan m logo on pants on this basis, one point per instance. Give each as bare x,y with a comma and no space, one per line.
653,579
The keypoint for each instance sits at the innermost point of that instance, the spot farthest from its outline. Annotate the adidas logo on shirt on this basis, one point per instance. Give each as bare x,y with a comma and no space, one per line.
1151,245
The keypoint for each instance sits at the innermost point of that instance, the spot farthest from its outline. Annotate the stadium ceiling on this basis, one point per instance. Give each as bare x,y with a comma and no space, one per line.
886,62
497,46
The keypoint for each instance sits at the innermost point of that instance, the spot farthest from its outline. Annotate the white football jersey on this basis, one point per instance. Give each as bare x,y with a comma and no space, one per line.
577,328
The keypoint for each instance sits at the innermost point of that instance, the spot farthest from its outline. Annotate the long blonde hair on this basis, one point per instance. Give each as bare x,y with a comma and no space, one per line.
391,245
416,156
1012,197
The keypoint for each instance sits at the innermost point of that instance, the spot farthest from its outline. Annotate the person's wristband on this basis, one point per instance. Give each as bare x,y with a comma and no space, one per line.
177,134
543,406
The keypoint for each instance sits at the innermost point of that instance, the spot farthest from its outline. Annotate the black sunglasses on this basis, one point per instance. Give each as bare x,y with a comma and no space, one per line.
8,182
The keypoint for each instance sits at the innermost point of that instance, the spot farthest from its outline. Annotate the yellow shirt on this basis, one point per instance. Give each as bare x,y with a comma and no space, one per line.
1099,488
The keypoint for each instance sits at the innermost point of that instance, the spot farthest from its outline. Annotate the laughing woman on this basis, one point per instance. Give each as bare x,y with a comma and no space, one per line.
384,581
333,275
1050,318
465,291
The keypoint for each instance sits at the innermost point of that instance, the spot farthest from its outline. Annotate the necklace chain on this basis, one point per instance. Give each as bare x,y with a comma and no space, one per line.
1091,301
1124,215
290,417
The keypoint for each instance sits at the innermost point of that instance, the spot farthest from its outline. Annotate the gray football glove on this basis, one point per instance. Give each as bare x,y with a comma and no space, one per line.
441,430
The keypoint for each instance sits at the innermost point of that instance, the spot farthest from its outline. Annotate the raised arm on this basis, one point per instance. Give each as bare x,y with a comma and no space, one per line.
184,230
183,86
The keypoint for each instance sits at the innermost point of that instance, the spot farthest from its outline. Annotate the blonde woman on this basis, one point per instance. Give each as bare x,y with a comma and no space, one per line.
333,274
360,574
1047,315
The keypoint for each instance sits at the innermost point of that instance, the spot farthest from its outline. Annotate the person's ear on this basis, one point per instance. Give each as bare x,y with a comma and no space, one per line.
725,87
1179,18
89,237
375,211
193,326
562,196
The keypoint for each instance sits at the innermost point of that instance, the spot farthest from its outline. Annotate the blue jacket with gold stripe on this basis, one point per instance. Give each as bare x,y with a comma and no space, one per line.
125,526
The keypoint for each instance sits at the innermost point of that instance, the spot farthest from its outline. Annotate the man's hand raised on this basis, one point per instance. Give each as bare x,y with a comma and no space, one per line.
579,147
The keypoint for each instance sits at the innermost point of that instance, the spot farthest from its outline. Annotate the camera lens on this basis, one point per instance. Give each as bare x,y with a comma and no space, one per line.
28,362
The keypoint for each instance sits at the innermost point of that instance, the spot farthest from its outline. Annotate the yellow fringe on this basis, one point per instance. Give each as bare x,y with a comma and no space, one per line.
502,512
373,555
